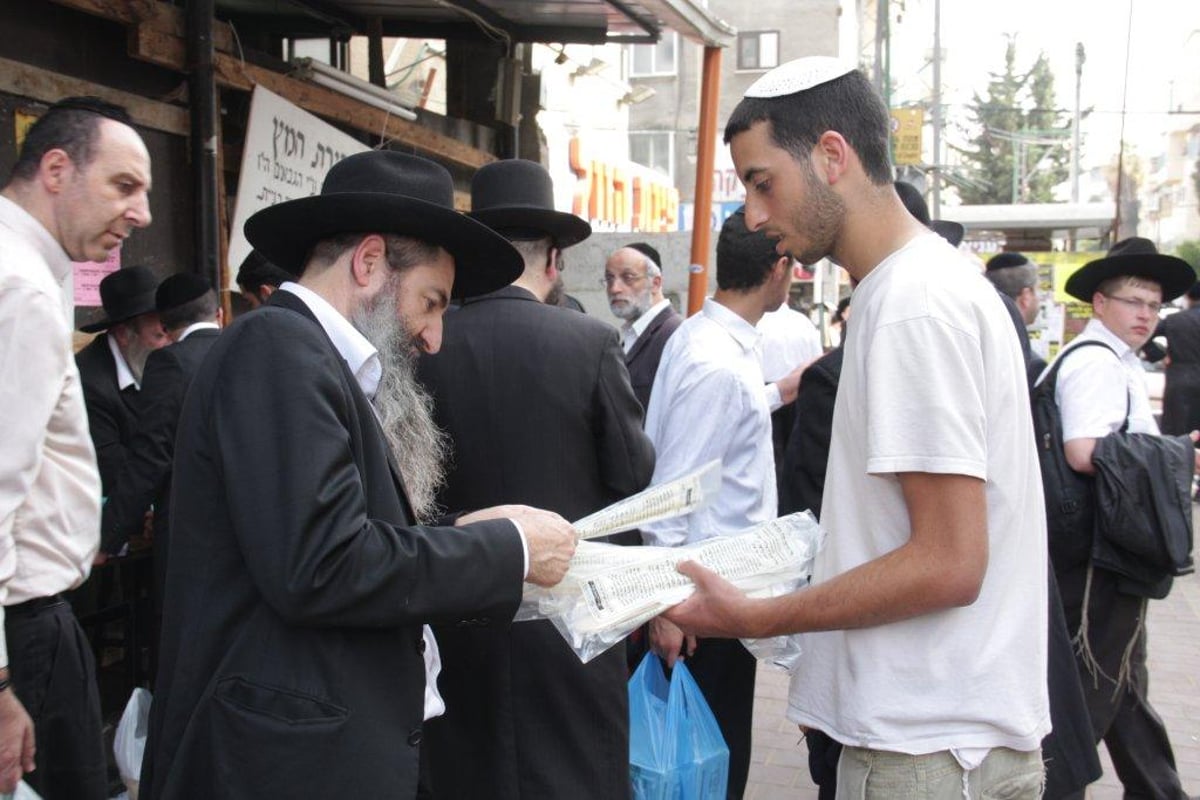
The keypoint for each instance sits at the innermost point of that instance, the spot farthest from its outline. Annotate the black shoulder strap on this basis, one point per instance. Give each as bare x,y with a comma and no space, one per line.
1052,375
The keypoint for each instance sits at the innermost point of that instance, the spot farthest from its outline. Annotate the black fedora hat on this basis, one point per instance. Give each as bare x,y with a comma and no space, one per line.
181,288
1136,257
124,294
952,232
516,198
381,191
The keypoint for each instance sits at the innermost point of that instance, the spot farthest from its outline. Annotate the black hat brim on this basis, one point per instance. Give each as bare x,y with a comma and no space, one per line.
952,232
1174,275
285,234
565,229
142,304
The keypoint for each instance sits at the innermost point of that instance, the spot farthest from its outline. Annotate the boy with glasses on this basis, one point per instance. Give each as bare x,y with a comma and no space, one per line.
1098,390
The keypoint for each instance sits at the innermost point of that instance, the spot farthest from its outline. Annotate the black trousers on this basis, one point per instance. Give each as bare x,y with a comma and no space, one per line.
724,671
54,676
1131,730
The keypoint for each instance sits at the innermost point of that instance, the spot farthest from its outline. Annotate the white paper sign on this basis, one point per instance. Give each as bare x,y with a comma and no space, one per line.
286,155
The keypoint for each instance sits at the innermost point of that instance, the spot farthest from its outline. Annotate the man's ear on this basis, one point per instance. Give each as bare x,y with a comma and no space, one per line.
782,266
831,157
55,170
369,256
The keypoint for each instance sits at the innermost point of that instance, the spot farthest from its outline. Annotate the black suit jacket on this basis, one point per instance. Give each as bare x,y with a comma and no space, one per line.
291,646
642,359
145,478
111,413
807,450
538,402
1181,394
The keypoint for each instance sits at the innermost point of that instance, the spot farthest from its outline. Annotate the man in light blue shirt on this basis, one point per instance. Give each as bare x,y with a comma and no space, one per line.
708,402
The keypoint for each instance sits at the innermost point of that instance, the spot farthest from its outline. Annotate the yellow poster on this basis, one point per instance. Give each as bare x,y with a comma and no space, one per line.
1062,317
907,124
22,120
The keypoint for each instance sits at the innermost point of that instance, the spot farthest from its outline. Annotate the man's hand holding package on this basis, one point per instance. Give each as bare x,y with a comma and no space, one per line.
549,537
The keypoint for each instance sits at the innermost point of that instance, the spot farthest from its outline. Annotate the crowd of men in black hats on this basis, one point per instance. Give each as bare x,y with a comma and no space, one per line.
349,486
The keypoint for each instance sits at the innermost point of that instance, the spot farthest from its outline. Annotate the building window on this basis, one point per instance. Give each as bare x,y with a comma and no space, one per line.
653,149
654,59
758,50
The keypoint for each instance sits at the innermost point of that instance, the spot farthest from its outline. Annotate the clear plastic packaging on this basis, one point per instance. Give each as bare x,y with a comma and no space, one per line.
610,590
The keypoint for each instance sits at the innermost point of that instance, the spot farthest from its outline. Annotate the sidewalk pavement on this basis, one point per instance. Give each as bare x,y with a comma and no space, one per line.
779,758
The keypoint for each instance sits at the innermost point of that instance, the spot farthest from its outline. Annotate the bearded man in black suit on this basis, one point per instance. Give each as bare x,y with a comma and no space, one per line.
538,404
294,660
191,315
111,365
633,281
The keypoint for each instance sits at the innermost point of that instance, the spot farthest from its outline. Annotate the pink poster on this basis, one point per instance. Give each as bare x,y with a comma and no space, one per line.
88,275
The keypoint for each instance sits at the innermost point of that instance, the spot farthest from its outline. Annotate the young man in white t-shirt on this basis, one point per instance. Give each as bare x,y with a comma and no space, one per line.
927,613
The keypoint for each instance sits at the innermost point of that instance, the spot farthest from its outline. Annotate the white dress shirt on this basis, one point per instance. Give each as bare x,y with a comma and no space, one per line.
49,483
789,339
708,402
197,326
125,377
630,331
1094,390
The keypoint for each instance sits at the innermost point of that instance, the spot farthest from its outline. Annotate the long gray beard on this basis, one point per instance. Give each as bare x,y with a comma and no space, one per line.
405,409
135,358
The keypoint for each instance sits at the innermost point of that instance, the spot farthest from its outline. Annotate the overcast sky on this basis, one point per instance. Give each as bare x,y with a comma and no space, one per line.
1164,60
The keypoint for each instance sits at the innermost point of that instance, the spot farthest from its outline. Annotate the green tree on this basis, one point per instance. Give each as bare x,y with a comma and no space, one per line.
1189,251
1020,150
1196,182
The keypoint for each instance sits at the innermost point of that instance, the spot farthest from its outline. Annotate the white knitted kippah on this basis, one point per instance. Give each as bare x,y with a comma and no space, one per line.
796,76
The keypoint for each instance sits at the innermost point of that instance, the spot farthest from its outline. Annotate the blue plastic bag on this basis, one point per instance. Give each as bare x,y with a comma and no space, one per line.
676,751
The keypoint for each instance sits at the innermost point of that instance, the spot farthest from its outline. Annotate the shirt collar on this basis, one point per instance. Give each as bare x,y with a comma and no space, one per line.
1096,329
360,355
196,326
28,228
639,325
742,331
125,377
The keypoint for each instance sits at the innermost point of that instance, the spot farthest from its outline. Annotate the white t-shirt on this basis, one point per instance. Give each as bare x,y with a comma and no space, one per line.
933,381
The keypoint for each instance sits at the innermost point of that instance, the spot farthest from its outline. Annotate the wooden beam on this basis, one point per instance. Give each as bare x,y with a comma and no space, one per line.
152,45
49,87
162,16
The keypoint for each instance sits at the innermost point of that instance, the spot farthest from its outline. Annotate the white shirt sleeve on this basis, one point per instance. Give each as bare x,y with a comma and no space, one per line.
31,361
1092,394
771,392
926,400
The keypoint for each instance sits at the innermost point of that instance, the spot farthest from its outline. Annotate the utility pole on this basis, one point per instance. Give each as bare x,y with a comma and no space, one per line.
883,52
1079,59
936,173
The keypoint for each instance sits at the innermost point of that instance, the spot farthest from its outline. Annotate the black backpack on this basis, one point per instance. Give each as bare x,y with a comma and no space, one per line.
1070,495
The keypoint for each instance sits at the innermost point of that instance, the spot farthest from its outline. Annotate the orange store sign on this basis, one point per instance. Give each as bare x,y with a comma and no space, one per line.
623,195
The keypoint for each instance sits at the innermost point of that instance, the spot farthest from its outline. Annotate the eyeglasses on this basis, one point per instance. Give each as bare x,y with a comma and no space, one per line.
1136,304
627,278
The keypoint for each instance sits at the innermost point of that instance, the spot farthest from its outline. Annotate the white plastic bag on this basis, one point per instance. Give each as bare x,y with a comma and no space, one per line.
129,744
23,792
